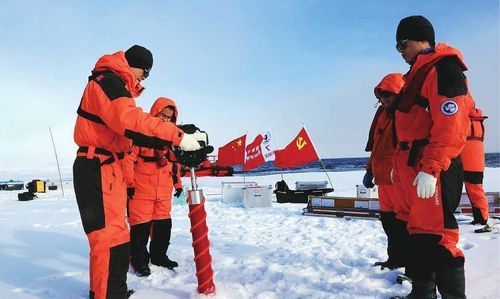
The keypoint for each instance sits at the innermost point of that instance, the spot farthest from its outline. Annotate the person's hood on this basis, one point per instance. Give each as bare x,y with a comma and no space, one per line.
160,104
391,83
118,64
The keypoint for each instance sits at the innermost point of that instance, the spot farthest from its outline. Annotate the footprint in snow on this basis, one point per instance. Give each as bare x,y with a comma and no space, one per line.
468,246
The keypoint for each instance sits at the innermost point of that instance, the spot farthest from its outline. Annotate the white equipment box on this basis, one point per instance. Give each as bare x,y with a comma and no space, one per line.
363,192
232,192
257,196
310,185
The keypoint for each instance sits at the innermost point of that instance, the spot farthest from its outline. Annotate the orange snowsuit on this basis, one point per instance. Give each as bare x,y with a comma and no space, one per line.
432,124
473,161
152,178
107,123
381,143
153,174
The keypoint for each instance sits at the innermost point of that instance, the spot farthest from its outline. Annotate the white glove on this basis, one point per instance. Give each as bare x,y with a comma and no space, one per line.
426,184
189,143
201,136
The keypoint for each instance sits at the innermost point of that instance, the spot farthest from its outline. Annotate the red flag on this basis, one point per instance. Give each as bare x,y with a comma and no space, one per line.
254,156
300,151
232,153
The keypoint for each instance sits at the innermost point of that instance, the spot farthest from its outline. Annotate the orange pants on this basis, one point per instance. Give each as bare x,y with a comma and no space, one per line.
473,160
477,196
401,207
432,225
387,198
102,198
145,210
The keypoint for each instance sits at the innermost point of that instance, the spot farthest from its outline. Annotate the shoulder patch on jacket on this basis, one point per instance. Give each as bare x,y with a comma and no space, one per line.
451,79
112,85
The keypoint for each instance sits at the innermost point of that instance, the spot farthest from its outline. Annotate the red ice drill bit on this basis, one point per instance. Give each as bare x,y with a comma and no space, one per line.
201,245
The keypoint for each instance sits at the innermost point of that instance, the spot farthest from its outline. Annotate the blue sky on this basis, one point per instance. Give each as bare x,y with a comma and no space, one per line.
231,66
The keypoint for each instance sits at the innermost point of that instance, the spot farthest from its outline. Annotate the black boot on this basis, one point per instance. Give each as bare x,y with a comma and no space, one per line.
390,227
160,240
422,288
130,292
139,256
400,243
451,283
478,217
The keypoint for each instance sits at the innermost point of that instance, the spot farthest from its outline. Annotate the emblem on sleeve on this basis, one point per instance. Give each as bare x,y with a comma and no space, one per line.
449,108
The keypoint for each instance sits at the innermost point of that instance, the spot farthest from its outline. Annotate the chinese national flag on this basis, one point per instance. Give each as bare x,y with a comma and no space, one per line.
232,153
254,156
300,151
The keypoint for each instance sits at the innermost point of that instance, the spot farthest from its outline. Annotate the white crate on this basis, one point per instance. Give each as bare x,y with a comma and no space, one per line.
310,185
232,192
363,192
257,196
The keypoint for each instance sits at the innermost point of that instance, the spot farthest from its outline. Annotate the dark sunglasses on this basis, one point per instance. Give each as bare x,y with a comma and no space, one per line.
146,73
401,45
385,94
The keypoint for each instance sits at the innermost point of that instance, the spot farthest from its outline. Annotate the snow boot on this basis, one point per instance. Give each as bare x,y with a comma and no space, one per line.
478,217
139,256
421,289
130,292
395,251
451,283
160,240
142,271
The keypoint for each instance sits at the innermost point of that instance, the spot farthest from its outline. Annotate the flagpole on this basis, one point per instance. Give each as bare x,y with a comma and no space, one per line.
320,161
280,169
244,156
57,160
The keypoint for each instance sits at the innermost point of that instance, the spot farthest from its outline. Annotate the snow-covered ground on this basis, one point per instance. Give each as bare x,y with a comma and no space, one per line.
262,253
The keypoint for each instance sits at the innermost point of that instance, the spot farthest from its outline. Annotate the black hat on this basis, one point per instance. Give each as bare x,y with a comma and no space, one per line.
139,57
416,28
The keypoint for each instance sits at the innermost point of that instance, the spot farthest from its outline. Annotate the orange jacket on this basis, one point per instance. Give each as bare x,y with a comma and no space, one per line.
153,173
473,152
381,138
434,106
107,115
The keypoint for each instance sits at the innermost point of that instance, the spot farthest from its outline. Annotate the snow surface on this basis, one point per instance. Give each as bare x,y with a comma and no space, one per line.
261,253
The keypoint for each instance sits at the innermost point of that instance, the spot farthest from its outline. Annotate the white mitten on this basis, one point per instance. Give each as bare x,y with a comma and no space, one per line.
201,136
426,184
189,143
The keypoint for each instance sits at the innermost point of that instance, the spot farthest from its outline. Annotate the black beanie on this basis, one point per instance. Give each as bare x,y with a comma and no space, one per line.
139,57
416,28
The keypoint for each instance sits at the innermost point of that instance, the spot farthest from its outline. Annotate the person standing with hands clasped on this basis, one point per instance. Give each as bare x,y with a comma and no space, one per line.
432,124
379,166
107,123
151,175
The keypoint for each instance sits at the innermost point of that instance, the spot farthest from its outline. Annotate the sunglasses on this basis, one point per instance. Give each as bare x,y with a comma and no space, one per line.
165,117
385,94
401,45
146,73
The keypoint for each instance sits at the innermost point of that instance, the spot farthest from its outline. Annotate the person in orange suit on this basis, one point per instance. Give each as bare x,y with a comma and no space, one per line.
432,124
473,161
107,123
379,166
151,175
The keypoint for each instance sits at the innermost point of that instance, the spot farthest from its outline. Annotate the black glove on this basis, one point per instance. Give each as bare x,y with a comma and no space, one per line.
178,192
368,179
130,192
